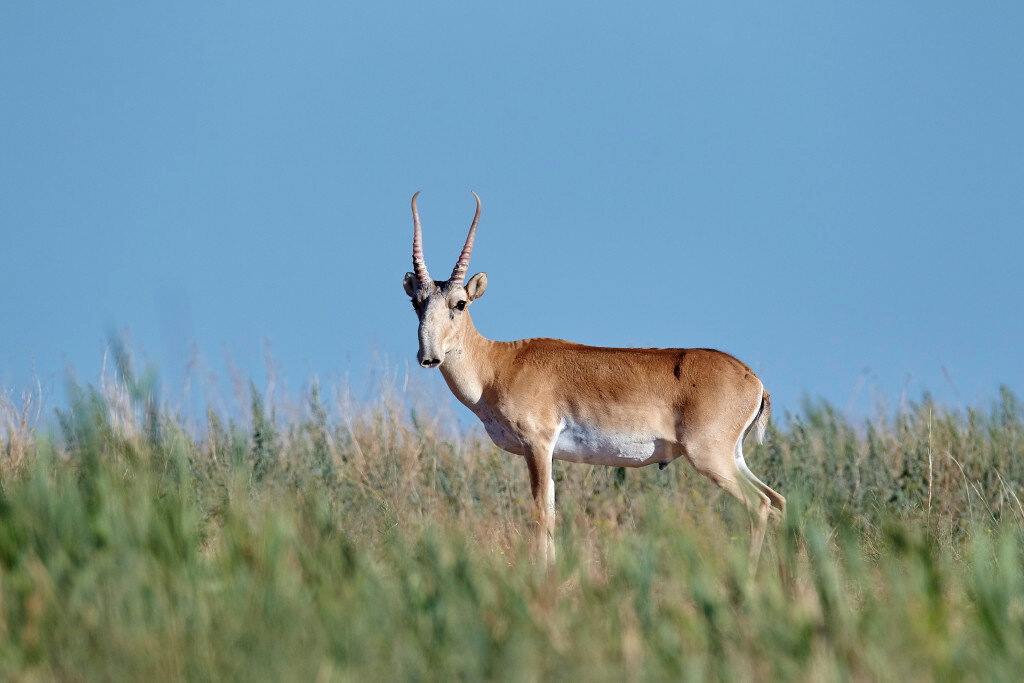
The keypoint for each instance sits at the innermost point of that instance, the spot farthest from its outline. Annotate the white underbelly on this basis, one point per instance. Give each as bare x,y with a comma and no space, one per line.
580,442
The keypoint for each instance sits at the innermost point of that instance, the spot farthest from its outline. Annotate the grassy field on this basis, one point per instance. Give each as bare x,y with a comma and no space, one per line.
321,540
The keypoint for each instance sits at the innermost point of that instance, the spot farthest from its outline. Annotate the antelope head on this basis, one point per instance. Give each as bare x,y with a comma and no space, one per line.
441,304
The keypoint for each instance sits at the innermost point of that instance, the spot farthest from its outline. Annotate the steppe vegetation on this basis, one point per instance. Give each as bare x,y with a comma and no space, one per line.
316,538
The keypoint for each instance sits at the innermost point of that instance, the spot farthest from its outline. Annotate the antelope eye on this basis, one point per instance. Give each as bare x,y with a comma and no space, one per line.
461,305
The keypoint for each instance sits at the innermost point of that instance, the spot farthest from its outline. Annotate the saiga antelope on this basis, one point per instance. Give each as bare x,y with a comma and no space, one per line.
549,398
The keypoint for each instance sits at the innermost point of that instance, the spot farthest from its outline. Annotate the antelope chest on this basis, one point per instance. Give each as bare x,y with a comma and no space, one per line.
503,437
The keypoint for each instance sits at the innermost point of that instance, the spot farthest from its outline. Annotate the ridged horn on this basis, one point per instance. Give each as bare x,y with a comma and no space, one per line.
459,273
419,266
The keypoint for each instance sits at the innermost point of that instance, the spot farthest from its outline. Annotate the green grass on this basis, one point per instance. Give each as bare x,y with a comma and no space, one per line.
324,541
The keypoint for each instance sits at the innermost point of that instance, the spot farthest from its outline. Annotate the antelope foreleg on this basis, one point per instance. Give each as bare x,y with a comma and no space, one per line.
542,487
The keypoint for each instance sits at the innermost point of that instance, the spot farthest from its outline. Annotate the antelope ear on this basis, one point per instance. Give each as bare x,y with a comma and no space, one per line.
476,286
409,283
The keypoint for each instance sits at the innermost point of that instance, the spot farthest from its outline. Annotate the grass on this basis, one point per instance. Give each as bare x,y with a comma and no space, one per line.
322,540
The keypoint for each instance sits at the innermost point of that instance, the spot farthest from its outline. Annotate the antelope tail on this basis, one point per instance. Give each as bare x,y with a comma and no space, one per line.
761,421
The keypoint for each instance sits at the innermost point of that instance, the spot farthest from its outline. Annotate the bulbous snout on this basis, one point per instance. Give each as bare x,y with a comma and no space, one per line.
429,354
427,362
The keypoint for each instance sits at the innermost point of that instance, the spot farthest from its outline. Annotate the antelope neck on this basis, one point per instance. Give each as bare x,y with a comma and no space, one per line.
468,370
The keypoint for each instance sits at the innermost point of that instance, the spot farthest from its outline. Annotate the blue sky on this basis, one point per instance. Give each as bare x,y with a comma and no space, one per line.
830,191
